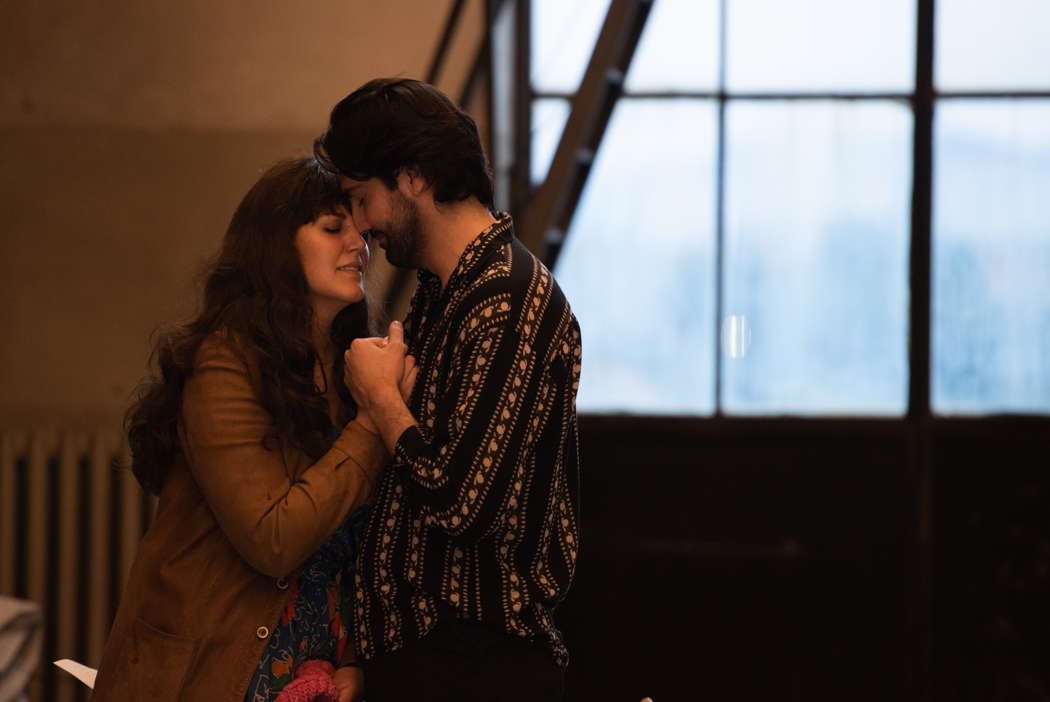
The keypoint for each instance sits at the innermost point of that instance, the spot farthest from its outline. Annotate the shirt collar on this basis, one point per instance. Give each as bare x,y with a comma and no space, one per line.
495,235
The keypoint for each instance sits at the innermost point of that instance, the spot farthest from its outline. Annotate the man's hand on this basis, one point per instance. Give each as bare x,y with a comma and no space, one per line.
350,681
376,366
380,377
408,381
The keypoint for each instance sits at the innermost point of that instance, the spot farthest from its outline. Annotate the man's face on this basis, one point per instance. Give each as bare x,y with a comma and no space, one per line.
388,218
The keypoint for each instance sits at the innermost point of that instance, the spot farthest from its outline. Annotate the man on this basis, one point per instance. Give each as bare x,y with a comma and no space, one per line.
474,532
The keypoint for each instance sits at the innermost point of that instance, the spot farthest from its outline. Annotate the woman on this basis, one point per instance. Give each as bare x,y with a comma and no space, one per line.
250,439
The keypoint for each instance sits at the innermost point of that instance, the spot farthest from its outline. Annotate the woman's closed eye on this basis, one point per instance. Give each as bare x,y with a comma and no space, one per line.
333,224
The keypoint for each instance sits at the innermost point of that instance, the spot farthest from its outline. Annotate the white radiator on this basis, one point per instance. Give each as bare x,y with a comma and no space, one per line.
70,520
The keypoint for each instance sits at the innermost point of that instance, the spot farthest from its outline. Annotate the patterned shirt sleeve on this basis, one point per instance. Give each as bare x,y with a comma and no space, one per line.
462,468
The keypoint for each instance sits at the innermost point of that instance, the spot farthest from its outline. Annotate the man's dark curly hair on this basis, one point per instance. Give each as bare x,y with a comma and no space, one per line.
390,124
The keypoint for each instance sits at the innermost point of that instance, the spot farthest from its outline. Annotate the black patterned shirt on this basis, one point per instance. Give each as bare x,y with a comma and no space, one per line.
478,515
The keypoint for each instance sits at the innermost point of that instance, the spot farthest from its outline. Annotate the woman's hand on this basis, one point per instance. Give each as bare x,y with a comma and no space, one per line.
364,418
408,378
350,681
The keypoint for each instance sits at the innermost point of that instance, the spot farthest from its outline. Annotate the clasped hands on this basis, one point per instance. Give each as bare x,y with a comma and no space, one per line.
379,374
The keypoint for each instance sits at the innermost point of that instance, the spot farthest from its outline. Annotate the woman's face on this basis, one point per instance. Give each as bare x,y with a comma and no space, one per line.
334,256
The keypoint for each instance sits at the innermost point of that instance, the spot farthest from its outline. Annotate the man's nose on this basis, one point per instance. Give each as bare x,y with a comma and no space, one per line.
359,220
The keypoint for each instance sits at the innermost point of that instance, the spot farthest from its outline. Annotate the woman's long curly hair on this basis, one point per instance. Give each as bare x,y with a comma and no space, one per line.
256,293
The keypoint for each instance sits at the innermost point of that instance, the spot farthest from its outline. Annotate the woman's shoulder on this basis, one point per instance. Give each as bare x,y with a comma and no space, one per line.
225,347
223,364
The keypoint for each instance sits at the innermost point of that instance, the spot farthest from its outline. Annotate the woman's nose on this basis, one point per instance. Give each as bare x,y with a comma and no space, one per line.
353,241
356,243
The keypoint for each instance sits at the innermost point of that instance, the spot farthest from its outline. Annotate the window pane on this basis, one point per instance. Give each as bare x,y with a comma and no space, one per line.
678,49
817,210
997,46
816,45
563,36
991,297
548,122
638,265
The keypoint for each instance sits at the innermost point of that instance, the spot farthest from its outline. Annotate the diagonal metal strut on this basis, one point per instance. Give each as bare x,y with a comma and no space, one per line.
552,208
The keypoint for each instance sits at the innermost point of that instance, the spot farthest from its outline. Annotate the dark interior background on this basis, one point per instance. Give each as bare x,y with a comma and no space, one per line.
812,560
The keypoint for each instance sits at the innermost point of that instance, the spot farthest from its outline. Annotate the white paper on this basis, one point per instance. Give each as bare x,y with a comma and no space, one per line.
79,671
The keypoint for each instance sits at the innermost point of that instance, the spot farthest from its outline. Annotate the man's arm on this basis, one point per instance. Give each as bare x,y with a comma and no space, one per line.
391,416
493,409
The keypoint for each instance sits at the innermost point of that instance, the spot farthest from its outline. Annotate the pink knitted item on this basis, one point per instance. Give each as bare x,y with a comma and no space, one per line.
312,683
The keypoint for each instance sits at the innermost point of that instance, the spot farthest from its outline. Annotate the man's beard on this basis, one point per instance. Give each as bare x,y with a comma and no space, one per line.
403,235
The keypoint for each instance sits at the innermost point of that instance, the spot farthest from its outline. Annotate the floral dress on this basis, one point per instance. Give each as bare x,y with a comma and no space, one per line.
316,621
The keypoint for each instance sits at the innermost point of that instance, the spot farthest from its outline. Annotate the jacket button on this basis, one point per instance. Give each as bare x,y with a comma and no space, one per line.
262,632
282,583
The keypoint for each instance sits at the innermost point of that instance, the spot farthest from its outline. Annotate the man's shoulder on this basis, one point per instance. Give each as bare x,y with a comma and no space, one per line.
510,295
517,272
494,279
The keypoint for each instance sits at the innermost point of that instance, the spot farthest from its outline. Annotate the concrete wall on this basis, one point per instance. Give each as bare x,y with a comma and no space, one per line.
129,131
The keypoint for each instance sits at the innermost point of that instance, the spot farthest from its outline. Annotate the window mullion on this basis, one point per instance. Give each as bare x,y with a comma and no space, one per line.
720,208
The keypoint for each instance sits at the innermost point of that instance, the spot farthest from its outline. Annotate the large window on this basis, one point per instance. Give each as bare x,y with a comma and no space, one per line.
743,241
991,224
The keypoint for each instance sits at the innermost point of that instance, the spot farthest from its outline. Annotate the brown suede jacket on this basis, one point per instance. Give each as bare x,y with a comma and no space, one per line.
234,522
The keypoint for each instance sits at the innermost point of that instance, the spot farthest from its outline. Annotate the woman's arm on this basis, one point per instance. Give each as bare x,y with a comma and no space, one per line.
273,521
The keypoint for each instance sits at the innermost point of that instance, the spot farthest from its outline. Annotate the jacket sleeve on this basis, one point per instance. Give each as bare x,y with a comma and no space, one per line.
273,520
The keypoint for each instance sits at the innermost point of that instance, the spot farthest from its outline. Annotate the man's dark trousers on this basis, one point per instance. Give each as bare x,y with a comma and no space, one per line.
465,662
